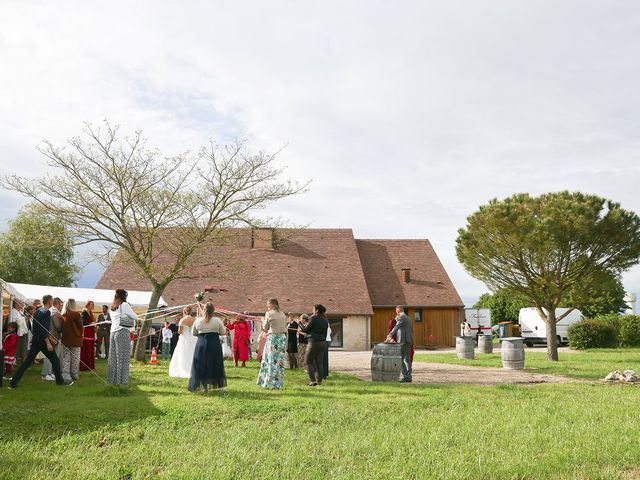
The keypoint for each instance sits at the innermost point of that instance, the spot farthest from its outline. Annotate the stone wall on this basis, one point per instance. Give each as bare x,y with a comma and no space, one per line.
355,331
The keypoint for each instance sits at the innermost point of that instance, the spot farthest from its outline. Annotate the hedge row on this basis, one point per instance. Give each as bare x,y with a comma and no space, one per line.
605,332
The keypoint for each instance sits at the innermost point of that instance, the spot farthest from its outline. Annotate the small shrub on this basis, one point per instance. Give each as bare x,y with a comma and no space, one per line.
629,330
612,319
592,334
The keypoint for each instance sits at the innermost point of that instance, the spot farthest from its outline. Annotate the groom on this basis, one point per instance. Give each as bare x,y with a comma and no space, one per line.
404,331
40,343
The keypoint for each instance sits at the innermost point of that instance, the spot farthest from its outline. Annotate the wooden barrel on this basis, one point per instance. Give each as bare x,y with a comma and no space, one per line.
512,353
464,347
485,344
386,362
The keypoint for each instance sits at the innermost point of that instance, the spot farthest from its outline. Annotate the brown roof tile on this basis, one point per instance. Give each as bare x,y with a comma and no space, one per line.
311,266
382,262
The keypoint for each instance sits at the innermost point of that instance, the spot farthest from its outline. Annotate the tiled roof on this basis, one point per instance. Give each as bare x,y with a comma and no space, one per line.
310,266
382,262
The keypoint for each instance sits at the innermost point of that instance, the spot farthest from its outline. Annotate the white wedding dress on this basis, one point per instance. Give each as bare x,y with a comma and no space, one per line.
182,357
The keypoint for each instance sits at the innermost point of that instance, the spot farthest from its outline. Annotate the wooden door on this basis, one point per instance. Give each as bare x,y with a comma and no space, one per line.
438,327
442,326
379,323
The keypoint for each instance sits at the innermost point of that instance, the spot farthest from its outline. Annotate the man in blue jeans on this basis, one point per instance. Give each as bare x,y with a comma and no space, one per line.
40,343
404,331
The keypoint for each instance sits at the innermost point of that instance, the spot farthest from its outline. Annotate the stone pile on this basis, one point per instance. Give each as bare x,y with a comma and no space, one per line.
628,376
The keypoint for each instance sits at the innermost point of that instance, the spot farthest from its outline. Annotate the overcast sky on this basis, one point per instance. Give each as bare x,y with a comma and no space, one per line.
405,115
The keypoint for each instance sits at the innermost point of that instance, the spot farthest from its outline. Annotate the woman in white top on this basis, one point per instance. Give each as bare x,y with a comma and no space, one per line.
325,358
207,369
23,331
182,358
122,319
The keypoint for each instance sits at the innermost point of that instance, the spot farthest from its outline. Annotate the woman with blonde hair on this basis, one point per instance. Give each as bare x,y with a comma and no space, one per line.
272,366
182,357
71,340
207,369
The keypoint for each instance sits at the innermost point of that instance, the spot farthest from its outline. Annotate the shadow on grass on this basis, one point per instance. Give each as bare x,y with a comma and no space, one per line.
43,411
12,463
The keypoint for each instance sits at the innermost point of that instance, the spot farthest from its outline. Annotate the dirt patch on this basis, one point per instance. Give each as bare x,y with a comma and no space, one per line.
359,365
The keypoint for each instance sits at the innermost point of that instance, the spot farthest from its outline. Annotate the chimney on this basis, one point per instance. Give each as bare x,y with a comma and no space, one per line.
262,238
406,275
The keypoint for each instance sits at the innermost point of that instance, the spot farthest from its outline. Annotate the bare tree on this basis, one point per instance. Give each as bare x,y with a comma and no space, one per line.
138,203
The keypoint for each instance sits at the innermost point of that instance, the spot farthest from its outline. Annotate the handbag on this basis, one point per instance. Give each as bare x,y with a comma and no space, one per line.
53,339
126,322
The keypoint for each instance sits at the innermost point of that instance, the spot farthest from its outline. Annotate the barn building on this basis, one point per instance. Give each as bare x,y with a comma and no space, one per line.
359,281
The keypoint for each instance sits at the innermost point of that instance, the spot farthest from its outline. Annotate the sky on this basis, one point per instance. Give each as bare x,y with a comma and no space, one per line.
406,116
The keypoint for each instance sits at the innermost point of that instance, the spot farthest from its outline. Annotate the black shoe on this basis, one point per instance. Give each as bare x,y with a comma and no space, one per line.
313,384
405,380
66,384
12,387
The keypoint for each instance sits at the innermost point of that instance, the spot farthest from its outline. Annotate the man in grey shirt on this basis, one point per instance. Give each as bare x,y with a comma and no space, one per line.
56,332
404,331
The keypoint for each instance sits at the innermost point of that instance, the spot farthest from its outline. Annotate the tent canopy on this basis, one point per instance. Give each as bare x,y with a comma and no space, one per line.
8,289
29,293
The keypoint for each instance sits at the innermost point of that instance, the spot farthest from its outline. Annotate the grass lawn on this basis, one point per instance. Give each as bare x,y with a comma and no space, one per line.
347,428
589,364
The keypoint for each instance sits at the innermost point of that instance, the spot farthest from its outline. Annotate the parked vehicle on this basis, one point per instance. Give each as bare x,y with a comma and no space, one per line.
478,321
534,329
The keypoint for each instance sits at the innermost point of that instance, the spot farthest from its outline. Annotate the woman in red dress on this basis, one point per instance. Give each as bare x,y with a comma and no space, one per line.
241,336
9,345
87,350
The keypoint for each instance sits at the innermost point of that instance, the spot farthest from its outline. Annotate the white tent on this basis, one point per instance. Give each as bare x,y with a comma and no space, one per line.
7,289
7,293
137,299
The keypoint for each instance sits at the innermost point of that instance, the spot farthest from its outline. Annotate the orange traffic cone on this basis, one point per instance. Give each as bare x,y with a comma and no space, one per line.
154,357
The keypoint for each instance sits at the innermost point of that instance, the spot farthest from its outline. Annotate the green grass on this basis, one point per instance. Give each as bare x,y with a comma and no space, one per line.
588,364
347,428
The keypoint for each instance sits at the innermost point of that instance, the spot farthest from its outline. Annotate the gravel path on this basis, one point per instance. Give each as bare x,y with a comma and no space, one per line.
359,365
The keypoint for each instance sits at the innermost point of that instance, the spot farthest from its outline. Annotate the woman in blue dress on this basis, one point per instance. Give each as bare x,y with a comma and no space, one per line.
207,369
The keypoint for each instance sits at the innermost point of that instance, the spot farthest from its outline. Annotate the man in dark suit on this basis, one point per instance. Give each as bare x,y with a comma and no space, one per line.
41,343
403,329
103,333
174,329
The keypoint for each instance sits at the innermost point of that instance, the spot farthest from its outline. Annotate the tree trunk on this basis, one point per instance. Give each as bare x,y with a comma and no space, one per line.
552,340
146,323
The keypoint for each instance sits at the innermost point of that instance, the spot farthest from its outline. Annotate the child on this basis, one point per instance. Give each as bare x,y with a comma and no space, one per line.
167,335
9,346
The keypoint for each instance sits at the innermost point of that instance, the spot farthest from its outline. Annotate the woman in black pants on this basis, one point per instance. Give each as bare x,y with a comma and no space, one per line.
316,330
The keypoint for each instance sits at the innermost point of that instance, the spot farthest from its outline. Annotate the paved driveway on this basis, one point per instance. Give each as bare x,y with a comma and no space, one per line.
359,365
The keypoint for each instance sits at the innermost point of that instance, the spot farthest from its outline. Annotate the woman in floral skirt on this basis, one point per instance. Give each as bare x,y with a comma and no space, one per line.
273,360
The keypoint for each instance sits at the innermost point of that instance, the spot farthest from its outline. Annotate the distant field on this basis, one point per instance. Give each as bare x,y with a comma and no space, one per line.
347,428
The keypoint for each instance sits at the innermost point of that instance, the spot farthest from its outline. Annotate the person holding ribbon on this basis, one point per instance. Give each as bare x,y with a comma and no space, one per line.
87,350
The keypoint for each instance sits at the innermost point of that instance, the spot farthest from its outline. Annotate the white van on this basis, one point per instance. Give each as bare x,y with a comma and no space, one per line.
534,329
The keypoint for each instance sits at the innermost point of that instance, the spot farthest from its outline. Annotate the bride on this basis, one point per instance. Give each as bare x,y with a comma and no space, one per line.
182,357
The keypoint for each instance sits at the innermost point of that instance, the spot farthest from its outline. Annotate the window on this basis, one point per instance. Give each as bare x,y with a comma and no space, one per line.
417,315
336,332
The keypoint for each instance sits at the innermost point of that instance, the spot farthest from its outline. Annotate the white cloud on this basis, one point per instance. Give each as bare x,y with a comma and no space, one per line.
407,116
